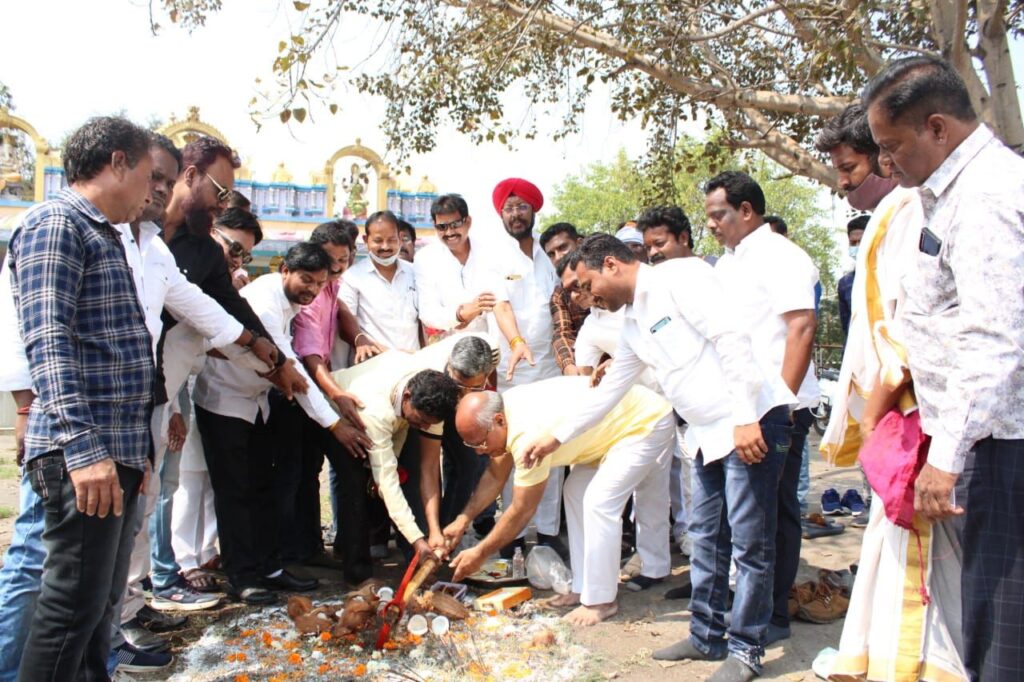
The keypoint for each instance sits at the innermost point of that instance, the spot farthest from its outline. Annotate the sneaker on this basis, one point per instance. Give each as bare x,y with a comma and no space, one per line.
828,605
860,521
852,502
120,676
141,638
132,660
154,621
831,504
181,597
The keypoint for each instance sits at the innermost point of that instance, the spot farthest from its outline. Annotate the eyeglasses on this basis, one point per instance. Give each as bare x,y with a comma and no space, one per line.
482,443
223,193
235,249
521,209
453,225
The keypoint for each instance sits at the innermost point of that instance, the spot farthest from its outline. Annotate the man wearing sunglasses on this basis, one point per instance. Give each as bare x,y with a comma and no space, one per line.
238,232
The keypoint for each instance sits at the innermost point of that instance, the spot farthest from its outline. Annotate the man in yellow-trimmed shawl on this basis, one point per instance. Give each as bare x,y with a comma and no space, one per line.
889,633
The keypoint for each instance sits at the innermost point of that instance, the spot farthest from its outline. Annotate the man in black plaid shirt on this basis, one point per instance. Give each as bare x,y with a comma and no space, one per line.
88,443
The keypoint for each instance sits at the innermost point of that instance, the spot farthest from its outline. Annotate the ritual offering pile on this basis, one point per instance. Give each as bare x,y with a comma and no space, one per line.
436,633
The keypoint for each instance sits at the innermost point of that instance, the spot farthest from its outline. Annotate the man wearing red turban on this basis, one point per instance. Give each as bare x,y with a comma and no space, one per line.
530,279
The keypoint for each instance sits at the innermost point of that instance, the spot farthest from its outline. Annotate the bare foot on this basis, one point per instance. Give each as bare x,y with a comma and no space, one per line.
571,599
591,615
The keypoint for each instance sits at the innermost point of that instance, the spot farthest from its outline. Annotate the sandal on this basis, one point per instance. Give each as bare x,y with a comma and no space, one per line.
817,526
201,580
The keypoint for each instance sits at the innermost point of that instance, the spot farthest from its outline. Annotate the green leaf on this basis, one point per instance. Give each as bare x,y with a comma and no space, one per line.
300,114
333,108
301,6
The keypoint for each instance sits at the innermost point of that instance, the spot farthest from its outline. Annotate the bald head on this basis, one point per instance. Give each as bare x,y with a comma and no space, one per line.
480,421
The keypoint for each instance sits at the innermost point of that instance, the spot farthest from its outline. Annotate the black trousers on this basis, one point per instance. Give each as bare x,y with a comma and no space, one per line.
788,533
351,481
240,459
298,459
84,576
462,469
992,581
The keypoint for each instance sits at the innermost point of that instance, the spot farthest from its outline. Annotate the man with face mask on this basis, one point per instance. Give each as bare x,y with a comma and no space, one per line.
844,287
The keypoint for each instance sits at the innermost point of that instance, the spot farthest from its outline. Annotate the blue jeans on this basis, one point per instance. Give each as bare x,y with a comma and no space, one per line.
20,580
164,570
734,515
804,486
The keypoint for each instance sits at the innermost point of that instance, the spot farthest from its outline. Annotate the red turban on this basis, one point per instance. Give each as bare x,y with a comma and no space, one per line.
524,189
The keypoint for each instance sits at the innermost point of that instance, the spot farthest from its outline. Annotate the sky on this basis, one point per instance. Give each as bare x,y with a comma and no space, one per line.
68,60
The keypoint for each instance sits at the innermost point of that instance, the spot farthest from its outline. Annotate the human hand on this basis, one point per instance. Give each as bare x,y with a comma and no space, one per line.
264,349
520,351
466,563
239,278
288,380
176,432
349,405
98,489
20,426
147,475
539,449
423,548
438,544
750,445
933,494
599,372
571,371
366,348
454,531
352,439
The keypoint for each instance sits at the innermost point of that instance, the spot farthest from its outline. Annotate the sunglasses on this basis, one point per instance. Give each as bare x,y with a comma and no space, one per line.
453,225
235,249
222,192
482,443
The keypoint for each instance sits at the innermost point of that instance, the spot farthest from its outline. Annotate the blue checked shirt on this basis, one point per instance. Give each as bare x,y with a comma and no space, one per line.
88,348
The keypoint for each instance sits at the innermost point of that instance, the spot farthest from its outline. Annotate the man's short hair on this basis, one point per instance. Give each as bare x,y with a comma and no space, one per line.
849,128
337,232
238,200
204,151
165,143
595,248
917,87
406,227
449,203
434,394
472,356
739,187
378,217
553,231
493,406
307,257
672,217
858,223
567,262
88,149
777,224
240,219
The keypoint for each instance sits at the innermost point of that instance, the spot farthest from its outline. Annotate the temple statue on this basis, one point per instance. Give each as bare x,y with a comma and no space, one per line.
356,205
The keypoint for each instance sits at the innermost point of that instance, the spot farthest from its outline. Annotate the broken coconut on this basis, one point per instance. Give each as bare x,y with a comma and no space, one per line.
299,606
443,604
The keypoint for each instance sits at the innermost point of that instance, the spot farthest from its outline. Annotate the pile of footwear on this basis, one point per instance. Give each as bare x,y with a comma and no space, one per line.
823,600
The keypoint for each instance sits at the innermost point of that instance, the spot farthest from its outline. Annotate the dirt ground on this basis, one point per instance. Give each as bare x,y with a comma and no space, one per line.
646,621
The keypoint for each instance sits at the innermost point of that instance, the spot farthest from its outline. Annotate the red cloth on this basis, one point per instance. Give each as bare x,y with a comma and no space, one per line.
891,458
524,189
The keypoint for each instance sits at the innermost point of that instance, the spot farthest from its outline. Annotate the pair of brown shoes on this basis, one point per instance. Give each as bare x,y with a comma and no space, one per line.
822,601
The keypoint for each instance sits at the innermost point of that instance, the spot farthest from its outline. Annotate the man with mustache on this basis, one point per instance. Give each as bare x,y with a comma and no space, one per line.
232,410
558,241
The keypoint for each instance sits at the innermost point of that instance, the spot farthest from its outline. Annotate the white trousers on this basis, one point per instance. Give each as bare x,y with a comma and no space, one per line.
548,517
594,499
680,487
193,519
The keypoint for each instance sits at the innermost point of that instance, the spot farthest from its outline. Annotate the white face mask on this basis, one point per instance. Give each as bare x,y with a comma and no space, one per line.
853,251
383,262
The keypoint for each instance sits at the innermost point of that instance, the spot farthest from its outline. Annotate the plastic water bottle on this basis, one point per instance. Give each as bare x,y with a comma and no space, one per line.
518,565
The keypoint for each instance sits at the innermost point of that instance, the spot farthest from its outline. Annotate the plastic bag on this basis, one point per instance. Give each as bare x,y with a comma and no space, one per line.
545,570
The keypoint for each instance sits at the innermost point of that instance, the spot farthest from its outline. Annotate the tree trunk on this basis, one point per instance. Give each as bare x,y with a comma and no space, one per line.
994,51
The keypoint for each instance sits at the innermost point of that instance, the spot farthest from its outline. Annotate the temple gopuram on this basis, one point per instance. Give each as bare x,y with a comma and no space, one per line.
353,182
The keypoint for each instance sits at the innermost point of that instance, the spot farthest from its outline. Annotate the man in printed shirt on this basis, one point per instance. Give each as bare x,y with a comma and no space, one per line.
88,442
628,451
964,330
558,241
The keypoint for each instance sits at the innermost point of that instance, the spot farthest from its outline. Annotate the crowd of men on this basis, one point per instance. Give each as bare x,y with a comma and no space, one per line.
174,416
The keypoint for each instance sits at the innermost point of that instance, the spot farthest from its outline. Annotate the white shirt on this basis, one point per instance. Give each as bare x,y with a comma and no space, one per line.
14,372
682,325
385,310
599,336
529,283
963,321
767,276
227,389
159,284
443,284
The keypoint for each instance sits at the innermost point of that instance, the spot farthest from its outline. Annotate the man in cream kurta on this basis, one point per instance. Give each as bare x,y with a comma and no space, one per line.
629,450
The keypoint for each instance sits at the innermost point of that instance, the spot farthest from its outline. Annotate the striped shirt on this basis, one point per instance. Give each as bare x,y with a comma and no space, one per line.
85,334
